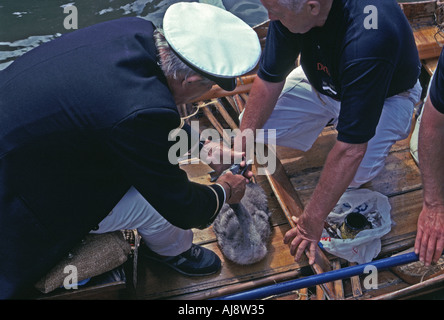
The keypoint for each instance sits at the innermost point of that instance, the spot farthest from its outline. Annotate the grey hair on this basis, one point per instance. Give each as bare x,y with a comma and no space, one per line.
170,63
294,5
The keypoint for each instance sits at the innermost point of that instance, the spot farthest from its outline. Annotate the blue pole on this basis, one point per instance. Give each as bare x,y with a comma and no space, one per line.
313,280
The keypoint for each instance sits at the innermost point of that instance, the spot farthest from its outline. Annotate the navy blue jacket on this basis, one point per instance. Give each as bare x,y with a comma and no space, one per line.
83,118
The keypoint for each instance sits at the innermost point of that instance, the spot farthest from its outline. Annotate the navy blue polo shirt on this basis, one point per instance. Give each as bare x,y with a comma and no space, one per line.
437,85
359,57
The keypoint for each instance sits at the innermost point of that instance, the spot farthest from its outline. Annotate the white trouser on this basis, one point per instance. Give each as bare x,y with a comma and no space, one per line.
301,113
134,212
414,140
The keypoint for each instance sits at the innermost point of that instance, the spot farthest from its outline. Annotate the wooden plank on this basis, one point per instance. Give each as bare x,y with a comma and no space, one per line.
339,286
356,284
155,281
233,104
420,12
303,294
225,114
428,42
285,192
322,263
107,291
408,291
405,212
399,175
430,65
320,294
387,282
158,282
240,287
216,124
292,206
400,180
240,103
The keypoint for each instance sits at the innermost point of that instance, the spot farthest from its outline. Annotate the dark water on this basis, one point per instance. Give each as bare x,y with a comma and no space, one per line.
25,24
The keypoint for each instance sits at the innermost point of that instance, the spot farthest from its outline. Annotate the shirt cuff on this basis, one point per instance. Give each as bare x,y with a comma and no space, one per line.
223,190
220,195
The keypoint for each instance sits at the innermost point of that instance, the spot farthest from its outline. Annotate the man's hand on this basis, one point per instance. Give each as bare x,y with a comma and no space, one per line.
341,166
429,242
234,185
430,233
305,236
219,156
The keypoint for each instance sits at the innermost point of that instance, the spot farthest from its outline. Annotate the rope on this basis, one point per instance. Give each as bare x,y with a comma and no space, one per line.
201,105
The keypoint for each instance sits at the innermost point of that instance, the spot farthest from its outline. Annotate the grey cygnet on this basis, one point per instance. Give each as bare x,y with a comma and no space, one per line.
243,233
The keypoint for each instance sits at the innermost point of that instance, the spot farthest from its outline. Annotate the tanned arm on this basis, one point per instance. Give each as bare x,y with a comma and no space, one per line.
261,102
339,169
429,242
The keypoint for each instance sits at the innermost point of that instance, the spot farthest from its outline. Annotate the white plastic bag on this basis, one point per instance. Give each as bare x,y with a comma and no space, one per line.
367,243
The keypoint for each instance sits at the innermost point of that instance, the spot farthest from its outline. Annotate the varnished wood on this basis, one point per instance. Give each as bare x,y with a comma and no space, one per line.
339,286
419,13
158,282
428,42
430,65
216,124
225,115
356,284
405,197
402,293
293,207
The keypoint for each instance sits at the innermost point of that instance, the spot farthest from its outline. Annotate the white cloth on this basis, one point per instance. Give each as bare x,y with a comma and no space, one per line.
301,113
134,212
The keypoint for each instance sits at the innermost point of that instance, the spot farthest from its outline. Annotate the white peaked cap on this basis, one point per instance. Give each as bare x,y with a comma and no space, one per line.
212,41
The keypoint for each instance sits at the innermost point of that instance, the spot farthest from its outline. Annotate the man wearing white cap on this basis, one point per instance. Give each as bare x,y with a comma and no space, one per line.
358,70
84,140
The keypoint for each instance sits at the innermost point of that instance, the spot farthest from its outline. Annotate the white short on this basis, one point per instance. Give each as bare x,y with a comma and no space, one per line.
301,113
134,212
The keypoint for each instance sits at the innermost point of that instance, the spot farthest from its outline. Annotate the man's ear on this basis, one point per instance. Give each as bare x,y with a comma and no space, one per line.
314,7
191,80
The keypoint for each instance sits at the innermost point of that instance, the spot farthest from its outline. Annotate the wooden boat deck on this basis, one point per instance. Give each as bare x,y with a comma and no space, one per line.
399,181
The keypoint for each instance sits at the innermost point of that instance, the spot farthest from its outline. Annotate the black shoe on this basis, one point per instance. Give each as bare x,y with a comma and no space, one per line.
196,261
